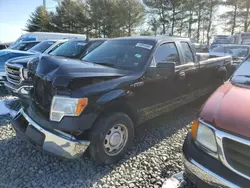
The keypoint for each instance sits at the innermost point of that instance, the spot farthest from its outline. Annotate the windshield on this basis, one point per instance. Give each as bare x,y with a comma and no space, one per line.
23,46
71,49
122,54
42,46
237,51
242,74
218,49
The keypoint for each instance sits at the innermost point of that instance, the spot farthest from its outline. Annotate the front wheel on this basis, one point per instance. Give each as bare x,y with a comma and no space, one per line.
110,137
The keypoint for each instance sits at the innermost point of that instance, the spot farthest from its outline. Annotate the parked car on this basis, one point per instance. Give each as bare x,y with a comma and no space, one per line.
42,47
96,103
24,46
216,150
41,36
3,46
223,40
238,52
20,70
9,53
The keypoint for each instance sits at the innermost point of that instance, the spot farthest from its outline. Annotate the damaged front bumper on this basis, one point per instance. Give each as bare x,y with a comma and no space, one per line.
19,90
52,141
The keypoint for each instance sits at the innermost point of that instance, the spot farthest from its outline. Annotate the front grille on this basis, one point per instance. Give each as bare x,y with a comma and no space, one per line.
237,155
13,74
43,93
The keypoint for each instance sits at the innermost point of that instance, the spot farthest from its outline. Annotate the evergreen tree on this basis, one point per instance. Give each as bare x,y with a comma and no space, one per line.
160,8
231,18
131,14
39,20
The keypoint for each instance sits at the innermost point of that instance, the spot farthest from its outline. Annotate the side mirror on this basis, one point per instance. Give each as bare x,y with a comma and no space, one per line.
162,69
169,65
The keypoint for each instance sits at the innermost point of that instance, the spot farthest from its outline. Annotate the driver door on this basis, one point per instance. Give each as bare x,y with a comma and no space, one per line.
161,93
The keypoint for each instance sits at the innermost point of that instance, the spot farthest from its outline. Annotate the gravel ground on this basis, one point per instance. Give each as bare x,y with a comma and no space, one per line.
156,155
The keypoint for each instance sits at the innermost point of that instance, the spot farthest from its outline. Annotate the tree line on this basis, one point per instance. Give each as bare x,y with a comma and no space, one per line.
195,19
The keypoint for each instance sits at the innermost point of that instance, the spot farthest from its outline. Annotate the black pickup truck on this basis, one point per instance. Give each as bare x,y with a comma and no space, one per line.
19,70
97,103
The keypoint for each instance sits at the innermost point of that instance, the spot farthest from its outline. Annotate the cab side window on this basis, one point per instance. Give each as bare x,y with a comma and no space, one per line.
55,47
94,45
167,53
187,52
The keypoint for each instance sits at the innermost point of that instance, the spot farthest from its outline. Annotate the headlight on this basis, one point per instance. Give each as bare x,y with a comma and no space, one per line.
26,74
66,106
204,136
32,64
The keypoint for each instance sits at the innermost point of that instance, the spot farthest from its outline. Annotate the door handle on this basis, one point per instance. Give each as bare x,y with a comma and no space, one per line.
182,75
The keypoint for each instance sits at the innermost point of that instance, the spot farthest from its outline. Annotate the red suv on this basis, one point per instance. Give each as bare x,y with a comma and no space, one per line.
217,148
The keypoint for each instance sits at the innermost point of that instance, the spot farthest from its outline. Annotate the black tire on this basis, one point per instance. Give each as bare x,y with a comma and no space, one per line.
98,133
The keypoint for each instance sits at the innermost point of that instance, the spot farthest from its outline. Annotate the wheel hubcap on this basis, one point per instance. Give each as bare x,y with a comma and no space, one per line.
115,139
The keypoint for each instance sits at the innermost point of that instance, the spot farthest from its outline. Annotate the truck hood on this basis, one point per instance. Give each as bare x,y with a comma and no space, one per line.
61,71
22,60
228,109
7,54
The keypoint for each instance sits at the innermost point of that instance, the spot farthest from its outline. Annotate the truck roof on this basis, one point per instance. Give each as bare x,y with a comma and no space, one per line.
154,38
98,39
53,34
234,45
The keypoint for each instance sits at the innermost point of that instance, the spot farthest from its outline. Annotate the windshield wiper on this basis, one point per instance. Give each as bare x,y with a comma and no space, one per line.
105,64
246,82
247,76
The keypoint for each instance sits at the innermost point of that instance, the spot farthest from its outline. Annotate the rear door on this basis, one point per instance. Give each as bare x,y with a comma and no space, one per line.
189,66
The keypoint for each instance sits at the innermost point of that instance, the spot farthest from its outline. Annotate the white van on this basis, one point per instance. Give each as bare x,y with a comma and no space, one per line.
40,36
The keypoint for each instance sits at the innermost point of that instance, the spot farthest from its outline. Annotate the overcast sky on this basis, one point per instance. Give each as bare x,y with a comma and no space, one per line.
15,13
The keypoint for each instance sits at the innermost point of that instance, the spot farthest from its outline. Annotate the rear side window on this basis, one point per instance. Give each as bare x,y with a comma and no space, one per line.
167,53
187,52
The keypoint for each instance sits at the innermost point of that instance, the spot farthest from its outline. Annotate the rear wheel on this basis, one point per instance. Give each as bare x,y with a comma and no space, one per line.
110,137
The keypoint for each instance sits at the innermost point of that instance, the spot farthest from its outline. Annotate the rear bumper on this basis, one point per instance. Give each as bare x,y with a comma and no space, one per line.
52,141
206,171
